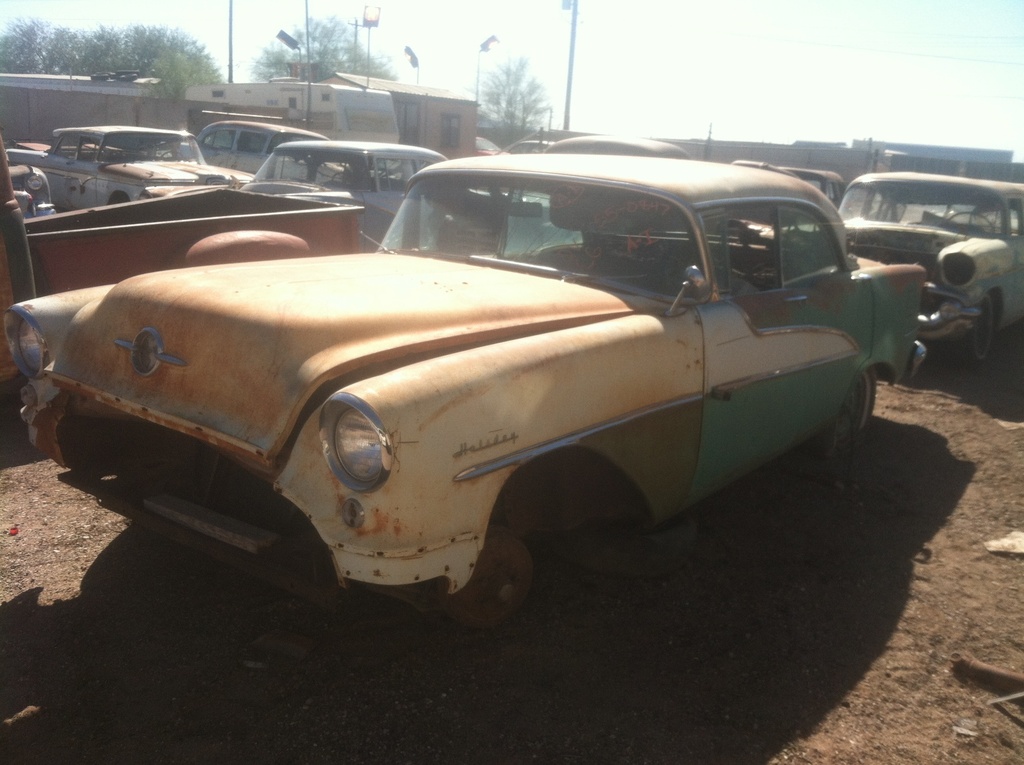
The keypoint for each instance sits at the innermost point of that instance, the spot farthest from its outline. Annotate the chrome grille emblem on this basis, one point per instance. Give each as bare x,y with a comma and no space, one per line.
147,352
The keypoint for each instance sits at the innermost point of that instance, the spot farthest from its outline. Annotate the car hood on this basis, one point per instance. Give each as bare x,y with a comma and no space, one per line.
178,172
892,243
248,346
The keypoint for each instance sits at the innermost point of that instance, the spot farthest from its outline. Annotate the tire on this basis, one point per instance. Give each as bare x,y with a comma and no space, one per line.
977,344
118,198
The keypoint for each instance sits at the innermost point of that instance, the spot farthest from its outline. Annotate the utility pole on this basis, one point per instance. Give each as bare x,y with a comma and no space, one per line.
572,57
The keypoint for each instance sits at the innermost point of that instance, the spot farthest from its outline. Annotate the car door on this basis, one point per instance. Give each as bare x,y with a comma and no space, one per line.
390,176
784,342
68,181
250,150
218,146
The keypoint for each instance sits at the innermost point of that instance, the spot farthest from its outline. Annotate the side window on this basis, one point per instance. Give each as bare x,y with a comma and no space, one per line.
67,147
220,140
744,255
87,150
393,174
1016,217
806,245
251,142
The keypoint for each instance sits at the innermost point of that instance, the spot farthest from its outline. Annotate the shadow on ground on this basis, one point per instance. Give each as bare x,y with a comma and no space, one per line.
797,583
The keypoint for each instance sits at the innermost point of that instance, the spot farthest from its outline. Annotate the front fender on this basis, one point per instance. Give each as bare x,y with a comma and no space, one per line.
461,424
970,264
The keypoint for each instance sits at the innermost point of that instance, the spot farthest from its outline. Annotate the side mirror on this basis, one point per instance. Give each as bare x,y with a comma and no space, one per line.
695,289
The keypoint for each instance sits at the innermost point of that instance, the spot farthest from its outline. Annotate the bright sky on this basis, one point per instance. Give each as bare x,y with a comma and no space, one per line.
944,72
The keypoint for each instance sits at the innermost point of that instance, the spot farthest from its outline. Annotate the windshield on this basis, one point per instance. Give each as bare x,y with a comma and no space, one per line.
142,147
621,235
938,205
334,170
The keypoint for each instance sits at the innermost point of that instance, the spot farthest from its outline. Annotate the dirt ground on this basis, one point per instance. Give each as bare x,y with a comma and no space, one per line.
815,622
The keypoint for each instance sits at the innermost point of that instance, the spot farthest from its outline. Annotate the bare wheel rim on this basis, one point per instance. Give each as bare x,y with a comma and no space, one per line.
499,584
856,411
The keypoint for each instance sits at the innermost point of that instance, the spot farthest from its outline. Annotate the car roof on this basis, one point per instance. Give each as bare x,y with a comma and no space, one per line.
263,126
613,144
693,181
119,129
364,147
1001,187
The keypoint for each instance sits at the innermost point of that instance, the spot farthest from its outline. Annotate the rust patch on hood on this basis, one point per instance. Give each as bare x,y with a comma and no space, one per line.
255,340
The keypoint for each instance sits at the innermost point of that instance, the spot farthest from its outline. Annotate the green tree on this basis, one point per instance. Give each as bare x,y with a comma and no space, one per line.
513,101
177,70
334,47
37,47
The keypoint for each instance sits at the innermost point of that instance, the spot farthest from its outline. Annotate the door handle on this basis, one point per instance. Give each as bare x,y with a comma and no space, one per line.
796,299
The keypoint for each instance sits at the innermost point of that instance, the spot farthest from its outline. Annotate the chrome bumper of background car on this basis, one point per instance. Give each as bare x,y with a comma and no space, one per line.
950,320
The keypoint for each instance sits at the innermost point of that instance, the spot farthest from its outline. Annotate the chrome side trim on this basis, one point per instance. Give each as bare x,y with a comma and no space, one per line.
523,455
725,391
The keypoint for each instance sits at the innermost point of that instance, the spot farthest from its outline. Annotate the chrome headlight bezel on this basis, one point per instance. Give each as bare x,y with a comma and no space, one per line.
34,182
355,443
27,342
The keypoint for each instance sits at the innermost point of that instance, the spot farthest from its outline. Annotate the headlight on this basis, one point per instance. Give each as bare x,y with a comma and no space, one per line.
355,443
34,182
28,346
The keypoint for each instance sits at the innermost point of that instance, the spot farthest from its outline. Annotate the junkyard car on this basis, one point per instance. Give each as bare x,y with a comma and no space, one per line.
31,190
93,166
546,343
829,183
245,145
373,175
968,234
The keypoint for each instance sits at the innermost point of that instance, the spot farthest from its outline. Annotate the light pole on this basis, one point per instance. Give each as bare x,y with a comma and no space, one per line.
485,46
371,18
292,43
572,56
414,62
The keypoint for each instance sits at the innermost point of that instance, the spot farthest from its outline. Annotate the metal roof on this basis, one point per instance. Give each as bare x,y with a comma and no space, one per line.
392,86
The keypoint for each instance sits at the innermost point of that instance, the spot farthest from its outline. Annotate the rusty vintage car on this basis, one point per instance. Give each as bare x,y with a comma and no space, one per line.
72,250
967,233
546,344
112,164
32,191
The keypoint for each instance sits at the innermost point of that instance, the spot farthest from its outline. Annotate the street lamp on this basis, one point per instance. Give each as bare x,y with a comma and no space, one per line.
371,19
485,46
414,62
292,43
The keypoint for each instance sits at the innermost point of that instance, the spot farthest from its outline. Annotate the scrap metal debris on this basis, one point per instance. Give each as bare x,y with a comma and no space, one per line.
994,678
1011,544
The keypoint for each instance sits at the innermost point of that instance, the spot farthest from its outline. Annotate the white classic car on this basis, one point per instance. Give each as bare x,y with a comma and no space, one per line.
105,165
544,344
968,234
370,174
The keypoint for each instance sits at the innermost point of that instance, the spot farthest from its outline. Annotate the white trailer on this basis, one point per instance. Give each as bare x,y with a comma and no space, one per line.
339,112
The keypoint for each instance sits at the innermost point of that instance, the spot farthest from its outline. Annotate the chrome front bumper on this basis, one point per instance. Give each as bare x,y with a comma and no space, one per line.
952,318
